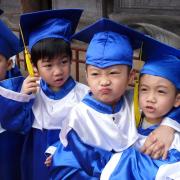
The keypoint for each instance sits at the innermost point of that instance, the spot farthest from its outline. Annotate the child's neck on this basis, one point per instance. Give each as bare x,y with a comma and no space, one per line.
54,89
150,122
153,121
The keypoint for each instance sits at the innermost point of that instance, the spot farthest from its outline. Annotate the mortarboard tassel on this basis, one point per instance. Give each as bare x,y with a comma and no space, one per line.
136,94
27,56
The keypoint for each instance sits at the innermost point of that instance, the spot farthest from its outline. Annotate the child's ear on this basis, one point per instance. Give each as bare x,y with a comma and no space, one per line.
9,64
177,100
35,69
132,76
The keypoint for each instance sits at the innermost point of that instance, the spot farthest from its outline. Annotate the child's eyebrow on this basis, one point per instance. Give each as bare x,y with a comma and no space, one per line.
45,60
162,86
142,84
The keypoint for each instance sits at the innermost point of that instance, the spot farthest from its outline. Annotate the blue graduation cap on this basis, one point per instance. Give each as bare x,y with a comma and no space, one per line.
1,11
110,43
9,43
162,60
153,48
49,24
166,66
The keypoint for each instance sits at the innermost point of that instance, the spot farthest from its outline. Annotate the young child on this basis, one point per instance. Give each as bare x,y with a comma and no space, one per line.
48,34
11,143
9,47
104,119
158,94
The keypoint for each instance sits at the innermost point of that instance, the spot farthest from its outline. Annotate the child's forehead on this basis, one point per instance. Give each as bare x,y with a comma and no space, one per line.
59,57
117,66
148,79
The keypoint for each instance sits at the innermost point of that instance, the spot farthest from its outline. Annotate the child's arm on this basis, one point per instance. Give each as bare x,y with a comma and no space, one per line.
78,159
159,141
173,119
17,114
132,164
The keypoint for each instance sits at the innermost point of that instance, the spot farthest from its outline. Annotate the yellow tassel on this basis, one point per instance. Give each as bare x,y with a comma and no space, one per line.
27,56
137,112
136,104
28,63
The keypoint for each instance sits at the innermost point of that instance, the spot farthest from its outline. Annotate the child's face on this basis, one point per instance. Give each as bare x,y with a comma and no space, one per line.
157,96
54,72
108,84
5,65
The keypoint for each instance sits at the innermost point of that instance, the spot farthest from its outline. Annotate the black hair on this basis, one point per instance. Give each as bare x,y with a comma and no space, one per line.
50,48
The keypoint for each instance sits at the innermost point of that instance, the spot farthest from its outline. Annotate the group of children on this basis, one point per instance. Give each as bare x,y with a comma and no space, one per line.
96,123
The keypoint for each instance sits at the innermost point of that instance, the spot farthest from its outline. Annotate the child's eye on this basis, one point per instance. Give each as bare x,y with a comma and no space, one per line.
47,65
64,61
161,91
94,74
143,89
114,72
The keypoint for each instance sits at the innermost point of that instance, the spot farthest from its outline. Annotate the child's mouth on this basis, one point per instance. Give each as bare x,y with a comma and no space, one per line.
59,80
105,91
150,109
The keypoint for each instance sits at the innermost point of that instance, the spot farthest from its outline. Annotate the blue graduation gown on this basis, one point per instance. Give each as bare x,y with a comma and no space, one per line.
11,142
132,164
95,133
79,158
40,118
14,72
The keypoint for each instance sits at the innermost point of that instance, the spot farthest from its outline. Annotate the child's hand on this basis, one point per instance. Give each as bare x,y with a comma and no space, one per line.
158,142
30,85
48,161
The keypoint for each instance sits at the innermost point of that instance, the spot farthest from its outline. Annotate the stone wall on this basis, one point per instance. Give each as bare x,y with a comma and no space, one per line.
165,7
12,10
92,8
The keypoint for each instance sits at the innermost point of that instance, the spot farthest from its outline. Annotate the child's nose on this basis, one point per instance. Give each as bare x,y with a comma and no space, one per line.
58,71
151,97
105,81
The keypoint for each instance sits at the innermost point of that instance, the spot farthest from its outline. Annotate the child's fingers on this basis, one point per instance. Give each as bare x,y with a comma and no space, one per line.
32,90
31,79
164,156
32,84
148,150
158,150
48,161
157,155
150,140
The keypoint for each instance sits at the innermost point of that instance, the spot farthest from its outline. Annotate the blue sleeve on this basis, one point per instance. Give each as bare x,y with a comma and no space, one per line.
14,72
91,159
15,115
175,114
135,165
78,160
